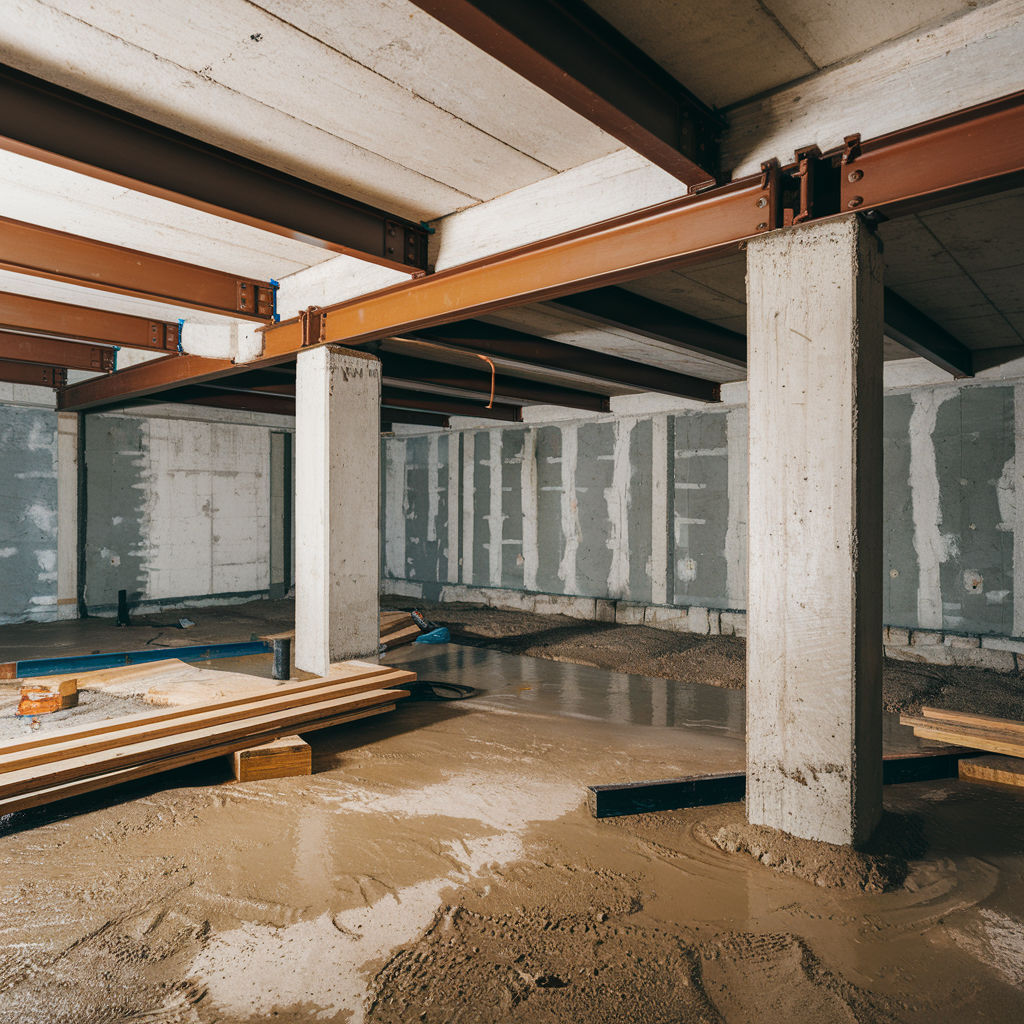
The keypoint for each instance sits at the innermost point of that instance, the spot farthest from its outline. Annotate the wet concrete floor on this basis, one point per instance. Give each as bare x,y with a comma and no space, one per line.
440,865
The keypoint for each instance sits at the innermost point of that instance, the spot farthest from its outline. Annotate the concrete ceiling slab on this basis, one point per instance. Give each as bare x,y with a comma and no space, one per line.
57,198
722,52
829,31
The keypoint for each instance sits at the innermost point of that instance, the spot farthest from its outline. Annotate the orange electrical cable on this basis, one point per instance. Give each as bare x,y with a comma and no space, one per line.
490,404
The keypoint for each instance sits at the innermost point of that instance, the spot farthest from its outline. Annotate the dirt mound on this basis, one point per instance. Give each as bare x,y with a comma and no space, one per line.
881,867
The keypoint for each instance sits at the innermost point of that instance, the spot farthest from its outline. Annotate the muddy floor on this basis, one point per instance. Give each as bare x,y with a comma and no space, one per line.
440,865
715,660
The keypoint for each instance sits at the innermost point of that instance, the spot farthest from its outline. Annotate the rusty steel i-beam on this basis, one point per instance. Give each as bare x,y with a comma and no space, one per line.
58,256
24,312
975,151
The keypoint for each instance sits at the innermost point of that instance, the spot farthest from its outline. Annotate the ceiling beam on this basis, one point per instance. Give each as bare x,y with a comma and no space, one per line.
247,401
58,256
145,380
530,350
626,311
45,122
30,373
574,55
410,371
912,329
418,419
28,348
686,231
392,397
84,323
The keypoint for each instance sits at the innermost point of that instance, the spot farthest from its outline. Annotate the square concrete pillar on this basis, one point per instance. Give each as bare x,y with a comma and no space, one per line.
68,491
337,507
814,653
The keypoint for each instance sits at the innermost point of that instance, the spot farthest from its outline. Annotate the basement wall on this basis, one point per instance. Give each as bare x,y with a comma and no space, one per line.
28,513
177,511
652,508
176,501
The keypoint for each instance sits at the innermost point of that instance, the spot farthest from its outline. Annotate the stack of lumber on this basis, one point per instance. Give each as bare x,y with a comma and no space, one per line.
84,758
397,628
999,736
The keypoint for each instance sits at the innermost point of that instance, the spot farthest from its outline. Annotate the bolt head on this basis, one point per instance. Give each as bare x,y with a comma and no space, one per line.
855,175
762,202
762,227
855,202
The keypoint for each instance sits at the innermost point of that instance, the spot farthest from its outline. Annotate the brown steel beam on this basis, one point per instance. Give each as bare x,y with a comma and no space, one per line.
481,338
248,401
573,54
398,398
30,373
57,256
622,249
616,307
948,159
410,416
457,378
57,126
912,329
688,230
29,348
144,380
85,323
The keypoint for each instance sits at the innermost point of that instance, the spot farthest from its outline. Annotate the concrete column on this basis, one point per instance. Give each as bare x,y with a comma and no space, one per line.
337,514
68,425
814,655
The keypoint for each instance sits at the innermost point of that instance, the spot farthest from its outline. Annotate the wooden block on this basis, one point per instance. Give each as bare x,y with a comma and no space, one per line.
278,759
1008,771
287,635
401,636
48,695
971,721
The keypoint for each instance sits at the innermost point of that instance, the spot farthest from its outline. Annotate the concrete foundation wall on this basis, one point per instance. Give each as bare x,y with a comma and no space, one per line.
28,514
580,507
177,511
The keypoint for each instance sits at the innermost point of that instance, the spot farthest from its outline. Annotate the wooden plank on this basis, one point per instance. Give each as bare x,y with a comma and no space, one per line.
969,720
282,758
200,716
113,778
130,721
979,739
287,635
401,636
248,731
1007,771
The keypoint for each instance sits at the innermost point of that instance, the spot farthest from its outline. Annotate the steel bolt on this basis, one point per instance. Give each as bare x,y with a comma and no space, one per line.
391,248
855,202
855,175
761,227
762,202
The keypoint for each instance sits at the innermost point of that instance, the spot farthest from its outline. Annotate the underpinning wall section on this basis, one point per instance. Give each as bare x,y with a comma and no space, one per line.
28,514
652,510
178,511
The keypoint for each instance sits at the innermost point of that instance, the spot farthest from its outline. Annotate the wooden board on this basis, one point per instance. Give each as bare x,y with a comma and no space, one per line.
282,758
401,636
375,672
113,778
1008,771
968,720
200,718
238,734
980,739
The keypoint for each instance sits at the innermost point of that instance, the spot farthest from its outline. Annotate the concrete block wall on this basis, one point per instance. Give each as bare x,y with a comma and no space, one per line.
177,511
28,514
649,511
176,507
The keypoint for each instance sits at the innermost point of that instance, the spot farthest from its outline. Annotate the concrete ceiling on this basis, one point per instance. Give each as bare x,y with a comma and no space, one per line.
377,100
735,49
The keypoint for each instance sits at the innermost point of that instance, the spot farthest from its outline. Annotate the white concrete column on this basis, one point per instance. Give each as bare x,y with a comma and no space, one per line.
337,514
814,655
67,515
